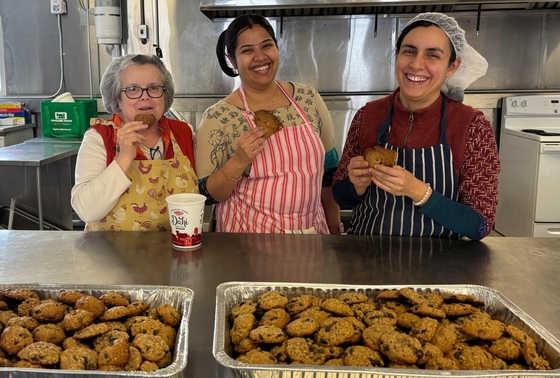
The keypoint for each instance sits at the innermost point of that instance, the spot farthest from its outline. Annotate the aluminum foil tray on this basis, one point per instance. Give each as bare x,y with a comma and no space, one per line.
229,294
179,297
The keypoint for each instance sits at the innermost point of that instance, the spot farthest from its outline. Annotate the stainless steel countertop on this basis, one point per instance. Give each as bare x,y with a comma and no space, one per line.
36,154
526,270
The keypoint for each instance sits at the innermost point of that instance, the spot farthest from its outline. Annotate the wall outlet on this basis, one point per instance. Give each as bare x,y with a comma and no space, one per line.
142,31
58,6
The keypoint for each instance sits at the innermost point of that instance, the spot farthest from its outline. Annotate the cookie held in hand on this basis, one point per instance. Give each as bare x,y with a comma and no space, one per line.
148,119
268,121
380,155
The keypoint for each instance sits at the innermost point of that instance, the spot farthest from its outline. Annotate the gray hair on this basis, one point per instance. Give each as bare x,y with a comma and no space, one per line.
110,86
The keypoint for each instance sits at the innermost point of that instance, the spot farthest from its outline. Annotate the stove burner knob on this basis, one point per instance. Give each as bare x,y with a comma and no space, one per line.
524,103
514,103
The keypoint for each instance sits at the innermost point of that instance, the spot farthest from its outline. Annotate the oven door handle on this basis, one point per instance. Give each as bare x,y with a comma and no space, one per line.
550,148
553,231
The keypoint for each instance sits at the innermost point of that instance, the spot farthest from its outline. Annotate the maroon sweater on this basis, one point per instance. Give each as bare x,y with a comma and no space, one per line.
469,133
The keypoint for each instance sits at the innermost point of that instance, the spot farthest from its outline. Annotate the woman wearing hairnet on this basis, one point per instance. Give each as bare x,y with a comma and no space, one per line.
445,180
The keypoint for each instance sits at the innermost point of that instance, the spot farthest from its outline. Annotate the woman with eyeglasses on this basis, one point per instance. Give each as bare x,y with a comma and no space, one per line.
128,165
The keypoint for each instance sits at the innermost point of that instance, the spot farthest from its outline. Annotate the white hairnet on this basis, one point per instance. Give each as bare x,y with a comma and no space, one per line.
473,65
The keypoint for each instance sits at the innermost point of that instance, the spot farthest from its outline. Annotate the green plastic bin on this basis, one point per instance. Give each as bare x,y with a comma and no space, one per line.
67,119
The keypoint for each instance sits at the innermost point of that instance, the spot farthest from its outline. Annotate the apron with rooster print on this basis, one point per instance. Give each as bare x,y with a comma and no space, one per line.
142,207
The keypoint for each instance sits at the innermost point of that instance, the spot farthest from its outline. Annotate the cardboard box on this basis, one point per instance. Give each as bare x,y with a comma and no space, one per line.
67,119
22,115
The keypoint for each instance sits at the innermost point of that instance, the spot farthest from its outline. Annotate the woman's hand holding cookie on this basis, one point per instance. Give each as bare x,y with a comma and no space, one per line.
359,174
250,145
128,137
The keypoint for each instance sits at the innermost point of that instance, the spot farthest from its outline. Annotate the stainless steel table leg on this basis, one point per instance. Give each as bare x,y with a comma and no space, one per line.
39,199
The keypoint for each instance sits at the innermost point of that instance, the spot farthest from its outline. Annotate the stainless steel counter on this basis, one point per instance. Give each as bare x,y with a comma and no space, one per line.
526,270
39,174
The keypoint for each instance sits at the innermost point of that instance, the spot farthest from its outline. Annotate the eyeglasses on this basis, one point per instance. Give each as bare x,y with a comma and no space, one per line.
134,92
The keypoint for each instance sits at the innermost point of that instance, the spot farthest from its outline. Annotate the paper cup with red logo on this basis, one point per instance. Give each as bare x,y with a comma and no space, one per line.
186,214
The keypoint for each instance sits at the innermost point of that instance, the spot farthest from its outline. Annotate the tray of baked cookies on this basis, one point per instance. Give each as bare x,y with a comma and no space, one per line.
276,329
95,331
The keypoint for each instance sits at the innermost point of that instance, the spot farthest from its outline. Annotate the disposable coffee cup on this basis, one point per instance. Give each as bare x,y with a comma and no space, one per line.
186,214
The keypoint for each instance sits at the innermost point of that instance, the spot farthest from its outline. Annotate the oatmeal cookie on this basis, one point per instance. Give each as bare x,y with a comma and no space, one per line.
92,330
19,294
429,351
247,307
305,351
71,342
427,310
424,329
336,306
114,313
383,316
316,313
112,299
76,320
145,325
272,299
334,362
372,335
50,333
242,326
445,337
483,328
69,296
359,327
400,347
334,331
77,358
14,339
462,298
441,363
299,303
506,348
358,355
277,317
168,315
91,304
137,308
267,335
168,334
134,359
107,339
351,298
49,311
247,345
389,294
25,307
471,357
257,356
115,354
457,309
24,321
148,366
41,353
278,351
302,327
152,348
407,319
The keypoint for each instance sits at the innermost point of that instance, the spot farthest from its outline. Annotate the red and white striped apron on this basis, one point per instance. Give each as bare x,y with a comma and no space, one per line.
282,193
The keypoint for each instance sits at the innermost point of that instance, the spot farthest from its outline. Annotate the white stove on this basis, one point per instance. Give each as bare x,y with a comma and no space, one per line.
529,189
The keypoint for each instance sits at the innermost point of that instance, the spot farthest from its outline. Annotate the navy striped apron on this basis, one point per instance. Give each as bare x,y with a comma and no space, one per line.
382,213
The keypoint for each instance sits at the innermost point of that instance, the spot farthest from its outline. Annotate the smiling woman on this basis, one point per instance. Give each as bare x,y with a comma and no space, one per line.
139,148
266,182
445,180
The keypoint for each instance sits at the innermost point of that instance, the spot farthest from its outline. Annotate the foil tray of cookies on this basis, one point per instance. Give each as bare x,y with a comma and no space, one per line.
289,330
71,330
